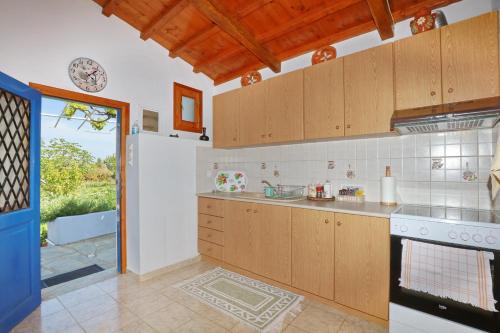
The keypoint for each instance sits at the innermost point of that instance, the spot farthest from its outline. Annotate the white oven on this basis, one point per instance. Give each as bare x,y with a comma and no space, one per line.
427,235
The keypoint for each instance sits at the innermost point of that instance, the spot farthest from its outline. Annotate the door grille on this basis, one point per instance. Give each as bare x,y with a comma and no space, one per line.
14,152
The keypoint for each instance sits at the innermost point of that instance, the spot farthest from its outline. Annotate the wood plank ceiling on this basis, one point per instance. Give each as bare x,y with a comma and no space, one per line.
226,38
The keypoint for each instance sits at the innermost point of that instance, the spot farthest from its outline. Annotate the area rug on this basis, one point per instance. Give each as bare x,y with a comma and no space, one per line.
252,302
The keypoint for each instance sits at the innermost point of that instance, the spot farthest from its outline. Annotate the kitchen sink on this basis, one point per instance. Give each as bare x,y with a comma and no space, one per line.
261,196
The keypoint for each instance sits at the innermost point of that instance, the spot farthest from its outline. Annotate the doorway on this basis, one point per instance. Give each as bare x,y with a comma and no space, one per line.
121,121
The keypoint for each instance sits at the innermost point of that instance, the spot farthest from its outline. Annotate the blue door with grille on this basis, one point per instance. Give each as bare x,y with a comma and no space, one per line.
19,201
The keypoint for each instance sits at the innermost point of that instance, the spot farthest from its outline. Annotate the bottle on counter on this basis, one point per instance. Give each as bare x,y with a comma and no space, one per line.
328,190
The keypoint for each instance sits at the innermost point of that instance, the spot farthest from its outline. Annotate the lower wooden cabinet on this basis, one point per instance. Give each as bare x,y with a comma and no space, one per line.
341,257
258,238
275,241
313,246
362,259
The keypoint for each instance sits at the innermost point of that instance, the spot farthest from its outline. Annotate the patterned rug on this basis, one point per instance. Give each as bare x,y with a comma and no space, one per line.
252,302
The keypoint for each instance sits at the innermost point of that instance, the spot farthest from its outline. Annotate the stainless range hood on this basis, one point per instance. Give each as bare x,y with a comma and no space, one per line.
481,113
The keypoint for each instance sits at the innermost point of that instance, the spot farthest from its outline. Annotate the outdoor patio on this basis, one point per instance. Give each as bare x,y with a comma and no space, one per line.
65,258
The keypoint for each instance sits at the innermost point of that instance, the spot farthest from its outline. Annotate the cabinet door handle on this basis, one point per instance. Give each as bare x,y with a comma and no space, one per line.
348,126
450,90
234,139
339,223
433,93
248,210
262,135
327,221
270,135
255,211
337,127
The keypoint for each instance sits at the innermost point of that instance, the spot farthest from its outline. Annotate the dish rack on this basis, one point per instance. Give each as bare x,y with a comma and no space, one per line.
284,192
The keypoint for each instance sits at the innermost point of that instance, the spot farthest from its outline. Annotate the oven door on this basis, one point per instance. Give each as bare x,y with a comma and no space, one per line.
444,307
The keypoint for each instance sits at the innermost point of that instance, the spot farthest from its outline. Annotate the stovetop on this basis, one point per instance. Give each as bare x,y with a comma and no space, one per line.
450,213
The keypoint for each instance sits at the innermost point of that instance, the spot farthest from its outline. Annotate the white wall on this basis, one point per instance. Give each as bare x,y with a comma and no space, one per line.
40,38
455,12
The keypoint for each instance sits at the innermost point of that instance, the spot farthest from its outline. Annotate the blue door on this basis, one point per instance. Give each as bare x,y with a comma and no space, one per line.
19,201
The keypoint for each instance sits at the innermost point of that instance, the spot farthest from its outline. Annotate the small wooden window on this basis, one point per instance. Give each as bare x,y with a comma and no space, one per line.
188,109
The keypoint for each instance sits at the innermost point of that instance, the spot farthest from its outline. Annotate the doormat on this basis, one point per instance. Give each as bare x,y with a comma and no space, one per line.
73,275
257,304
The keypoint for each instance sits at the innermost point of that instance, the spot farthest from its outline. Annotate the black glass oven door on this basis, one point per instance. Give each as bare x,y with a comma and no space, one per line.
442,307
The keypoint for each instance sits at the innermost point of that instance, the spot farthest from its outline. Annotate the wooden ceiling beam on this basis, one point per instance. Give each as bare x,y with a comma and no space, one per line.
382,16
165,16
232,27
311,16
109,7
207,33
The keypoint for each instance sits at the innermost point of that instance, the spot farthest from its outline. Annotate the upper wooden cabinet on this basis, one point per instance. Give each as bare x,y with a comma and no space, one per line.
313,246
470,53
253,111
369,91
362,258
226,119
285,107
324,100
417,70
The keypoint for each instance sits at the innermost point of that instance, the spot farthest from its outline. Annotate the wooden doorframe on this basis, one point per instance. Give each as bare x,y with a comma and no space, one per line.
124,131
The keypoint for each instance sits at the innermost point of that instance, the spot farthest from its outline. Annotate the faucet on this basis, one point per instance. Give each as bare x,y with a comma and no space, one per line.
267,183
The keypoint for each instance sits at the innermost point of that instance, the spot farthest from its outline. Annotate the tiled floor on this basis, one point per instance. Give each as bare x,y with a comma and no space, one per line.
65,258
125,304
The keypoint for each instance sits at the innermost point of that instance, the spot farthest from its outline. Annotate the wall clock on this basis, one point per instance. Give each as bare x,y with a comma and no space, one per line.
87,74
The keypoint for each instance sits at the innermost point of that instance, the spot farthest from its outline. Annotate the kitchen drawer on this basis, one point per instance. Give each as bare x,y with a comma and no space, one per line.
210,249
212,222
213,207
210,235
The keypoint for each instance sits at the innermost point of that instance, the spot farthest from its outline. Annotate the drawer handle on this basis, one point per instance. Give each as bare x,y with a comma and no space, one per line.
348,126
248,210
209,221
339,223
327,221
255,211
262,135
209,249
208,206
209,235
270,135
337,127
433,93
450,90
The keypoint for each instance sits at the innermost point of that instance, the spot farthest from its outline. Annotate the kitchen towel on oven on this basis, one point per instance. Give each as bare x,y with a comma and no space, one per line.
459,274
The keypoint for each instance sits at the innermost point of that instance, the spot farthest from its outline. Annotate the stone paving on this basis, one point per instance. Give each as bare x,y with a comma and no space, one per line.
65,258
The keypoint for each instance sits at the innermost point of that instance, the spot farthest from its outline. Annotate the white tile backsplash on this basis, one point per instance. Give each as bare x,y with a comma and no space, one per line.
409,157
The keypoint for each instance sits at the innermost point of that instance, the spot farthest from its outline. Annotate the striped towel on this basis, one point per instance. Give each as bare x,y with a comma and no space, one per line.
448,272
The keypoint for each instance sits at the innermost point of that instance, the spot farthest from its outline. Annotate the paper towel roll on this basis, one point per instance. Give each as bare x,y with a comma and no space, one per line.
388,191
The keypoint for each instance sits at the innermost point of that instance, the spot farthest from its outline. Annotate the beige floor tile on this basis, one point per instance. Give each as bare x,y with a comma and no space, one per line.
58,322
315,320
243,328
80,296
92,308
293,329
355,325
200,325
119,282
142,306
170,318
137,326
109,321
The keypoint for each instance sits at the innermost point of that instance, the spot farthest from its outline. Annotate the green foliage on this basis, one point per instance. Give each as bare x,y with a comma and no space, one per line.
98,172
90,198
110,162
97,118
43,234
63,166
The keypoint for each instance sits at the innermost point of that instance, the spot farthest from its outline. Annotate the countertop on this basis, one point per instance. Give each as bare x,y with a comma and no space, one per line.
367,208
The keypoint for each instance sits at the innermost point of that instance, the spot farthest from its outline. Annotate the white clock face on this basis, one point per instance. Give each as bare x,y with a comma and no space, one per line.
87,75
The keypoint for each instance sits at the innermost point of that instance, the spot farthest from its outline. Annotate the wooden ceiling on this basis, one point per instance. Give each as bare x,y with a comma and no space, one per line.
226,38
